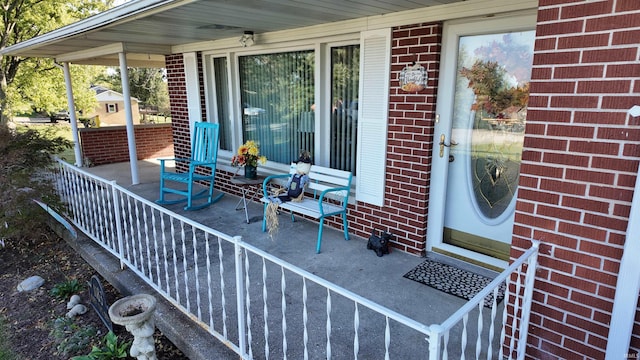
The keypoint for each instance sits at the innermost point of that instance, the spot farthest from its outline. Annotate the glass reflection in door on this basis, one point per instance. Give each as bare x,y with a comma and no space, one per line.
489,118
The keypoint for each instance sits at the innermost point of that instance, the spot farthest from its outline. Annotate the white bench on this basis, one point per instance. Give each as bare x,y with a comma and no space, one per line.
327,194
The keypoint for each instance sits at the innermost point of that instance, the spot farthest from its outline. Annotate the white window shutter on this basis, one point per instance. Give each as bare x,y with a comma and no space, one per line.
373,110
192,87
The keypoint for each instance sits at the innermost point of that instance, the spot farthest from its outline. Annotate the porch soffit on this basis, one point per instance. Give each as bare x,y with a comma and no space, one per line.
149,29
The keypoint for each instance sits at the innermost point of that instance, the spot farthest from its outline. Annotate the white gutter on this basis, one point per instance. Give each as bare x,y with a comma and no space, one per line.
626,300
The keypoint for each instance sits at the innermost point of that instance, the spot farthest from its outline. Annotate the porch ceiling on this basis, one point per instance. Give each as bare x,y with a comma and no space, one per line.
148,29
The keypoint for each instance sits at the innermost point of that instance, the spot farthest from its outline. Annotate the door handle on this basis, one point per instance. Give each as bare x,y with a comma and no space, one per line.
443,144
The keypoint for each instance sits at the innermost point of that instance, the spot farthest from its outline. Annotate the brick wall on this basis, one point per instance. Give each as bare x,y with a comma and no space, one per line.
409,143
579,167
108,145
178,102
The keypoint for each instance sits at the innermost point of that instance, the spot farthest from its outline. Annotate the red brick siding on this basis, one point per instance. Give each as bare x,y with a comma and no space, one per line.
409,144
178,101
108,145
577,189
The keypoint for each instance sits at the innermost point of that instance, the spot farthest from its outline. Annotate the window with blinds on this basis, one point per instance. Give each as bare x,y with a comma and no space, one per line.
277,94
275,102
345,77
221,81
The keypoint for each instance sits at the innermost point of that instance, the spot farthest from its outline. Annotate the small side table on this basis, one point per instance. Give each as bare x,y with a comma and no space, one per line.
250,190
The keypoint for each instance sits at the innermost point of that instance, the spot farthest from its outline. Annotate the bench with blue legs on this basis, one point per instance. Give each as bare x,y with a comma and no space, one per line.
327,194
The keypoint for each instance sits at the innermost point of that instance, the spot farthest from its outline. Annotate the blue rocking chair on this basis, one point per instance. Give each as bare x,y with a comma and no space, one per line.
204,153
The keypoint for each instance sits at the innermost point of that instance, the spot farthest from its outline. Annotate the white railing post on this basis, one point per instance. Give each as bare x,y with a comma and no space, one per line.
532,265
435,340
116,208
242,341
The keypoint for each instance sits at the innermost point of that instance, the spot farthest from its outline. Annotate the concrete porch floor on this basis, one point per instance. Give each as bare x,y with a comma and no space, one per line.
346,263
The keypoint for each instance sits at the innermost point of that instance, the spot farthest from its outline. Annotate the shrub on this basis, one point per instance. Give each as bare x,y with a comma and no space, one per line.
25,158
71,338
65,289
111,350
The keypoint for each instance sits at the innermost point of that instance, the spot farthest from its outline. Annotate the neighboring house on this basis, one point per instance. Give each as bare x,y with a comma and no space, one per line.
110,108
447,163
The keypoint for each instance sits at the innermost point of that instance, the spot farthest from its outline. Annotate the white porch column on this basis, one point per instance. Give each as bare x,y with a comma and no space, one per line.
131,138
626,300
72,113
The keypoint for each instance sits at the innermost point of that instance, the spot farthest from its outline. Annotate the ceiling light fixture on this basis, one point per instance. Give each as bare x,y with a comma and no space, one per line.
246,39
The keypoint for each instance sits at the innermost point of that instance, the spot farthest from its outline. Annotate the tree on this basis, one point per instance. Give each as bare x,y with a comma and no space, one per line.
148,85
40,85
25,158
24,19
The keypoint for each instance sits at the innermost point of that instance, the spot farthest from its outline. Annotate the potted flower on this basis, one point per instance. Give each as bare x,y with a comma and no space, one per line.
248,156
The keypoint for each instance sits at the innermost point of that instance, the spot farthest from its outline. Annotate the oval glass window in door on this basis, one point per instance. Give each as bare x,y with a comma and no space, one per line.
494,71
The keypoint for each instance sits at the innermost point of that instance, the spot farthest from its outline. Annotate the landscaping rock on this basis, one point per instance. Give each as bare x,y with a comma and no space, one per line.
78,309
30,283
75,300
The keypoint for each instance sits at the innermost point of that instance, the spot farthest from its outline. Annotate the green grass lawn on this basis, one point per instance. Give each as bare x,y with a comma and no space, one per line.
68,154
61,129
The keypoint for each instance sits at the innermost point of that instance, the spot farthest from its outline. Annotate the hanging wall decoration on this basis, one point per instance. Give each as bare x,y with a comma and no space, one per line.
413,78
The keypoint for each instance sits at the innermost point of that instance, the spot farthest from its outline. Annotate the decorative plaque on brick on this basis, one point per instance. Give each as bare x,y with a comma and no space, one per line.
413,78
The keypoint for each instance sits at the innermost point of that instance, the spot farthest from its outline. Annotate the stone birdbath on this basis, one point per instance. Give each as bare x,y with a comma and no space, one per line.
136,314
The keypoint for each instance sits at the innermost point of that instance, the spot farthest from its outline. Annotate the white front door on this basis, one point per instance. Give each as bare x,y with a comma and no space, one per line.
479,131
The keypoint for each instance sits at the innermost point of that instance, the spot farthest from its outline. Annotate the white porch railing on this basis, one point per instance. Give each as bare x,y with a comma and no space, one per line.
262,307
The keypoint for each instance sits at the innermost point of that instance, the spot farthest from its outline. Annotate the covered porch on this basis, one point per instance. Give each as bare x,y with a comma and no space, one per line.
345,301
578,192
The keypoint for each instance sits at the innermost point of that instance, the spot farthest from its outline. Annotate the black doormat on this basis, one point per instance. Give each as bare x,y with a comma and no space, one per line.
452,280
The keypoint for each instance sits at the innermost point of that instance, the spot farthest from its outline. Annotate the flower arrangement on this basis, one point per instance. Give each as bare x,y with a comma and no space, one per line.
248,154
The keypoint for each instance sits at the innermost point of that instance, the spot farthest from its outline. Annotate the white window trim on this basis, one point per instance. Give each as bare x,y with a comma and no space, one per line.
323,98
193,89
210,91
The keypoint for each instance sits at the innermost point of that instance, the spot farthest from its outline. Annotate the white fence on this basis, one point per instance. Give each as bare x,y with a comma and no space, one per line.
262,307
